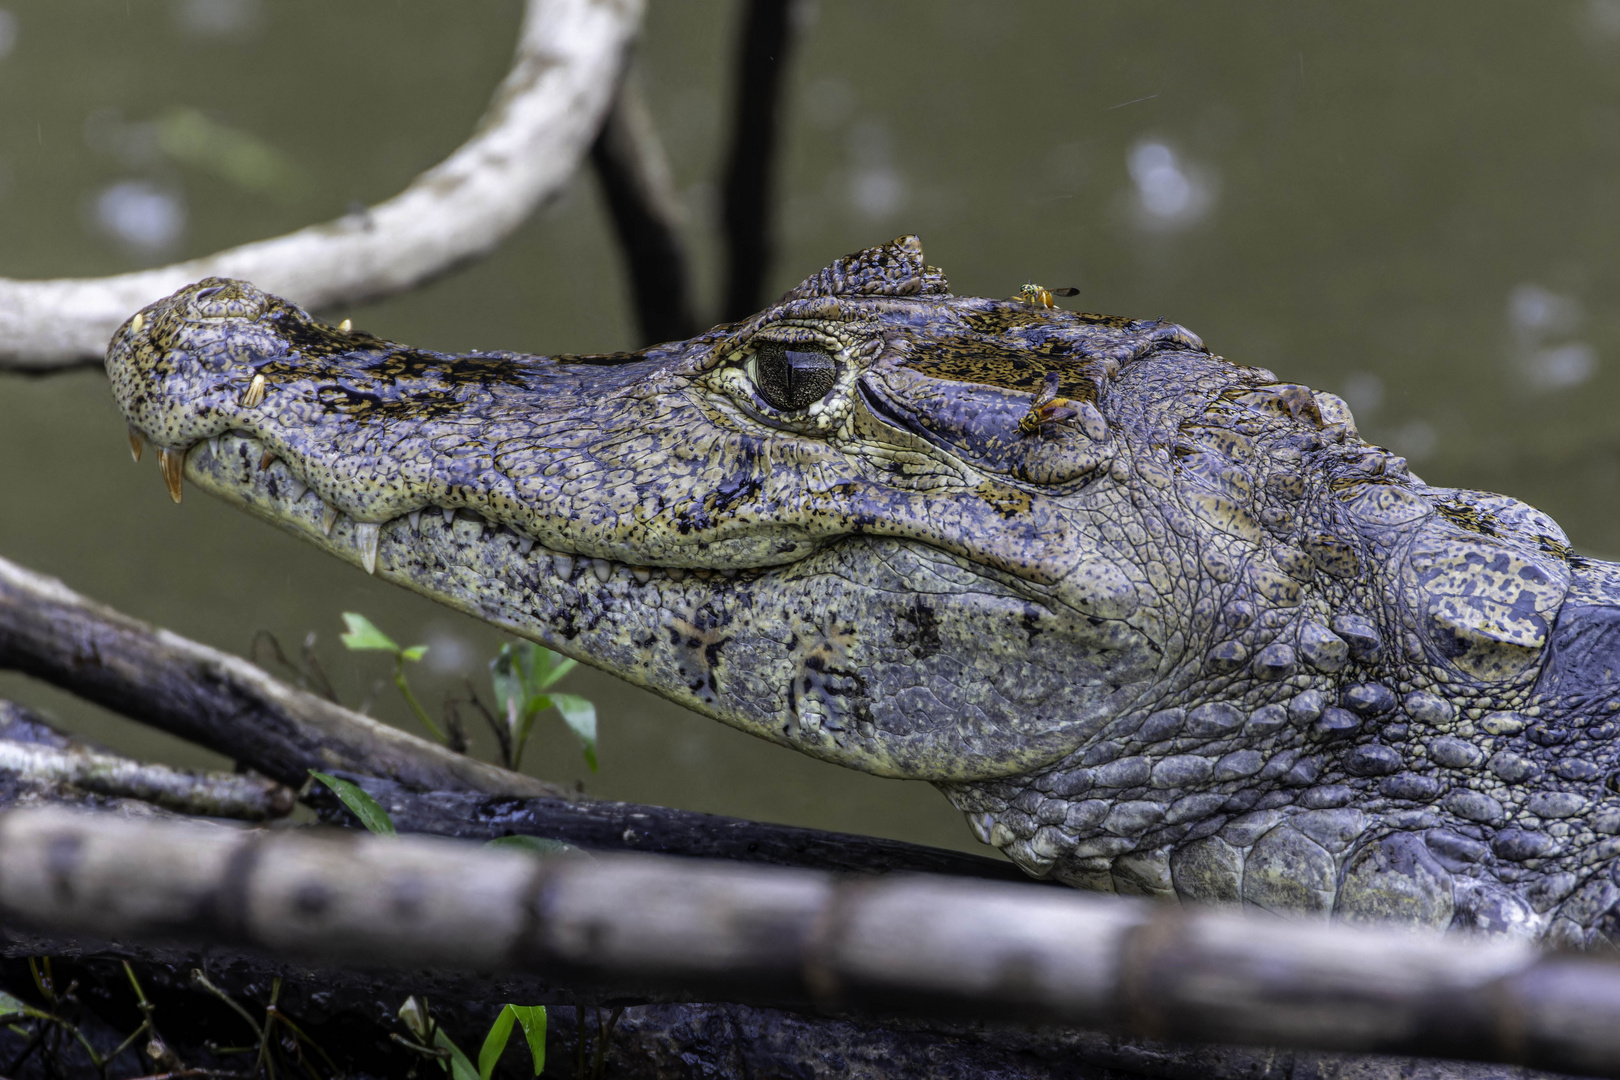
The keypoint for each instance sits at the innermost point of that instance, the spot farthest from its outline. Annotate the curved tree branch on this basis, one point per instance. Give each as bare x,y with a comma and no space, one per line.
542,121
215,699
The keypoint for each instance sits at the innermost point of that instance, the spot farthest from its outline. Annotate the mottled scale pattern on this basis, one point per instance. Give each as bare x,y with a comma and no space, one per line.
1157,622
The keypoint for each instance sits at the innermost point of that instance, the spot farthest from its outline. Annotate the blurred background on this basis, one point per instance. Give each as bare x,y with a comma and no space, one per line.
1417,208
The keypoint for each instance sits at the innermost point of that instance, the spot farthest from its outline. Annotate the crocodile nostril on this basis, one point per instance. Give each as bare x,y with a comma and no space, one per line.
204,294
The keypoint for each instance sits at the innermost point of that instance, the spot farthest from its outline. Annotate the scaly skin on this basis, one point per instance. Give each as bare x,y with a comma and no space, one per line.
1188,636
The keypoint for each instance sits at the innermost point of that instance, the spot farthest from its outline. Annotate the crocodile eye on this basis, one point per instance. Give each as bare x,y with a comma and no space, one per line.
791,378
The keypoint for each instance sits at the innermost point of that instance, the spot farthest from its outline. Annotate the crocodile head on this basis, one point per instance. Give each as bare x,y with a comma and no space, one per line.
1156,621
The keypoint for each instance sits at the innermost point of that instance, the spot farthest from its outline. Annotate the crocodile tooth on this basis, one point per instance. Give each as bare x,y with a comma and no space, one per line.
137,443
172,464
602,569
346,325
729,573
329,516
676,573
641,573
525,544
266,459
137,322
449,517
295,489
366,535
564,566
415,518
255,393
213,445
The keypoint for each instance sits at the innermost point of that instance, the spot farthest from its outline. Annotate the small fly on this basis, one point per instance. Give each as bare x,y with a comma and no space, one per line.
1047,408
1040,296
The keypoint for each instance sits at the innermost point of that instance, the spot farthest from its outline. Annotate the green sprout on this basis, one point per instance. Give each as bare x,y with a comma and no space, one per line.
431,1041
364,635
523,674
360,803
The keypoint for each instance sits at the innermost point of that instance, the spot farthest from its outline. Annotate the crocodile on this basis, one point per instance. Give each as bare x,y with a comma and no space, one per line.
1156,622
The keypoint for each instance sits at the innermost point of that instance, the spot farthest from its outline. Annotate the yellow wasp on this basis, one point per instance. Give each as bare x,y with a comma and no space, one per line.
1040,296
1046,408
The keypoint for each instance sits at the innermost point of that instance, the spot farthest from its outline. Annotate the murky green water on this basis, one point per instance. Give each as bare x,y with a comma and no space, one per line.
1415,207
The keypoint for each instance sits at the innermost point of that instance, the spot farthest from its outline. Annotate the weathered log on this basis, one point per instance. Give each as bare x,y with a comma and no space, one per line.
523,151
214,699
866,945
618,826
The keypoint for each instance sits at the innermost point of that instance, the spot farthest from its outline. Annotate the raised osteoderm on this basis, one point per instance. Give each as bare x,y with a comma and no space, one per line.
1155,621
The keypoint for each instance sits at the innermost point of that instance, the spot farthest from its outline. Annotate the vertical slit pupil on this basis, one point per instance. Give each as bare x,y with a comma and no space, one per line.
791,378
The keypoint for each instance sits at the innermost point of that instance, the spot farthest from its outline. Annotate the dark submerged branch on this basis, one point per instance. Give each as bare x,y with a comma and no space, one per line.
641,197
771,936
617,826
348,1014
215,699
763,48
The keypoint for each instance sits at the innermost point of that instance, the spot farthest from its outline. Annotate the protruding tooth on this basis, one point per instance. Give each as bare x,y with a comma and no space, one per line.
366,535
602,569
564,566
415,518
255,393
676,573
729,573
266,459
295,489
525,544
137,443
172,464
346,325
641,574
137,322
703,573
329,516
213,445
449,517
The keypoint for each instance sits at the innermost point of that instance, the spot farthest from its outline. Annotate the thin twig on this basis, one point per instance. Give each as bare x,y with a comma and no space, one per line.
640,193
763,47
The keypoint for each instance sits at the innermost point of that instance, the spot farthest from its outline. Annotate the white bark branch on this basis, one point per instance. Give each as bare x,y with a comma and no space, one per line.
886,945
525,149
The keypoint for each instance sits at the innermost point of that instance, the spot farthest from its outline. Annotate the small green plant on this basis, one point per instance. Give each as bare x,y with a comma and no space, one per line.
532,1018
523,675
429,1039
360,803
363,635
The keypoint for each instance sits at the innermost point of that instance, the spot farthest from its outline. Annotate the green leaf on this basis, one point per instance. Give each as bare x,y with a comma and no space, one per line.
458,1066
414,653
364,635
536,845
361,805
506,672
533,1019
556,668
495,1042
15,1006
580,715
